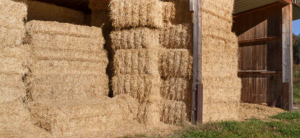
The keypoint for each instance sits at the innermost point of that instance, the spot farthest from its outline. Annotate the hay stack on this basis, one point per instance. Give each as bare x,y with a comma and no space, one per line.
220,62
49,12
81,117
67,62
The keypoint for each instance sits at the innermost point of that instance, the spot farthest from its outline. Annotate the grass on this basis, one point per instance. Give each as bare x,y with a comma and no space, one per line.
296,84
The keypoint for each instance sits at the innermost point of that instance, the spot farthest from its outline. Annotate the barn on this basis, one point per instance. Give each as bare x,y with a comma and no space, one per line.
110,68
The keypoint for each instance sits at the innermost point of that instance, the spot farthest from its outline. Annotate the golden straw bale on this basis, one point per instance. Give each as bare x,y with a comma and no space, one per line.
136,13
50,12
176,63
11,37
211,43
13,65
169,12
65,42
68,67
70,55
56,28
66,86
209,20
136,38
141,87
220,8
13,10
11,93
217,111
178,89
81,117
11,80
177,36
140,61
99,4
182,11
149,113
173,112
21,52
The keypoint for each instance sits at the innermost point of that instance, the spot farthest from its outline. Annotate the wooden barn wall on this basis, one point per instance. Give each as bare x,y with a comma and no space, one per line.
260,55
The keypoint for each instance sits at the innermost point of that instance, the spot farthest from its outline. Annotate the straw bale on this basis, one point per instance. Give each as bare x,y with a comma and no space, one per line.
220,111
176,63
56,28
177,36
50,12
69,118
136,13
210,21
12,22
15,52
11,37
13,10
65,42
178,89
67,86
141,87
13,65
140,61
100,18
174,112
67,67
9,94
136,38
11,80
149,113
99,4
169,12
220,8
211,43
182,12
70,55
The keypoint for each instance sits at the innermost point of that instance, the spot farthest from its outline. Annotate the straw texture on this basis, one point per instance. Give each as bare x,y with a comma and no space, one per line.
182,12
49,12
177,89
174,112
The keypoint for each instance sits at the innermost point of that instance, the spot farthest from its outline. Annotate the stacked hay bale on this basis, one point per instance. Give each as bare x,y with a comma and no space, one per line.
12,52
176,63
135,42
49,12
222,87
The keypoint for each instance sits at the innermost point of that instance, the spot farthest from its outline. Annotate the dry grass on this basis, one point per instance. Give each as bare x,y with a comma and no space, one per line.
49,12
174,112
176,89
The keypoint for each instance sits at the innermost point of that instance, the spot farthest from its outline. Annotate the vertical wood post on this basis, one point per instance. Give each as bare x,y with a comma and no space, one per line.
287,51
197,95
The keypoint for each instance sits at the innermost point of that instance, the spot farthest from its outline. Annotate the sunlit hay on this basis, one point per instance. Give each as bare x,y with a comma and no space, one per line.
70,118
174,112
220,111
99,4
56,28
141,87
177,36
178,89
12,16
176,63
182,11
223,24
223,9
137,61
50,12
149,113
136,38
169,12
67,86
136,13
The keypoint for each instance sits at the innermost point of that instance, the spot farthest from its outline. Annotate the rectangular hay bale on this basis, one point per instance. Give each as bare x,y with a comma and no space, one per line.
141,87
11,37
220,111
9,94
183,14
136,13
174,112
16,10
135,38
149,113
50,12
140,61
178,89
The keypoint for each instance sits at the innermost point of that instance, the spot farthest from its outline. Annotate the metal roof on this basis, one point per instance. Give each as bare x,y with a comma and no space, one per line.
245,5
296,12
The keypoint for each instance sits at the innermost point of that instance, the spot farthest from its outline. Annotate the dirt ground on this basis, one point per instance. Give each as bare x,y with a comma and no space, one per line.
297,107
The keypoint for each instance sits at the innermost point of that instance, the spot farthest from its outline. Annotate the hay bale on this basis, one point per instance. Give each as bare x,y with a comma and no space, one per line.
56,28
13,65
177,36
66,86
99,4
71,118
140,61
222,8
11,93
177,89
174,112
210,19
11,37
136,38
182,12
49,12
13,10
136,13
149,113
141,87
176,63
65,42
169,12
220,111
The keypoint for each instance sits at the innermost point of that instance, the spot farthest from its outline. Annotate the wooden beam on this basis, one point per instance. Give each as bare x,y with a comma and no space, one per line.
258,72
257,9
261,40
197,106
287,50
